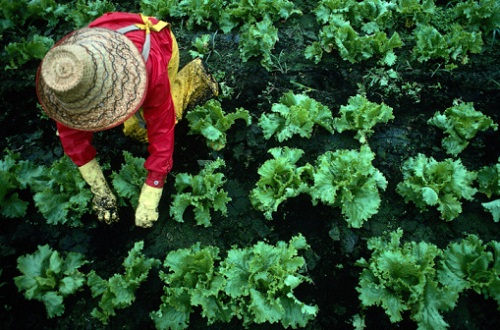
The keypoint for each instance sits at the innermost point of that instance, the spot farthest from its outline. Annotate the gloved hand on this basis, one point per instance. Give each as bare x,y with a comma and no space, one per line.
104,202
147,210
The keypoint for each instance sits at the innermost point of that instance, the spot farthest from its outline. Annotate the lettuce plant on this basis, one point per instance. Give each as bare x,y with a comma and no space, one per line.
203,191
118,292
212,122
260,281
488,181
15,175
295,114
427,182
362,115
347,179
61,194
50,277
280,179
460,123
192,281
129,180
470,264
402,278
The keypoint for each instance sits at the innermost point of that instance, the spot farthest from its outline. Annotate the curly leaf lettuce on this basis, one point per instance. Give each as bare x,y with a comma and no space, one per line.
295,114
280,179
427,182
460,123
362,115
212,122
118,292
61,194
129,180
402,278
191,281
347,179
261,280
49,277
203,191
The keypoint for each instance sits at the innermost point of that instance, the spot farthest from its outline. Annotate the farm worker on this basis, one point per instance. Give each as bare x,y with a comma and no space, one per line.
121,69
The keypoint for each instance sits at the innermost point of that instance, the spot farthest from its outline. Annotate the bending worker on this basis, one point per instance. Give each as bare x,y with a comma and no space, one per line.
121,69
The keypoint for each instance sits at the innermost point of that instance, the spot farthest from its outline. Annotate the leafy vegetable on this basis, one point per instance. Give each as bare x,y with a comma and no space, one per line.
202,46
61,194
50,277
461,123
192,280
280,179
118,292
295,114
494,208
470,264
15,175
488,179
347,179
362,115
129,180
258,39
428,182
261,280
212,122
203,192
402,278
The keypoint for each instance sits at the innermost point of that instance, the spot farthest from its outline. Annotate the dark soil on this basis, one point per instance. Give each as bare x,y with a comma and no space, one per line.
335,246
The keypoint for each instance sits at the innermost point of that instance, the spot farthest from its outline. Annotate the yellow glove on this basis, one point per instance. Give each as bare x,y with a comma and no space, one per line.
104,202
147,210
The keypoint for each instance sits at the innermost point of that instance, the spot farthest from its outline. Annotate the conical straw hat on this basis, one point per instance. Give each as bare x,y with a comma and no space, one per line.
93,79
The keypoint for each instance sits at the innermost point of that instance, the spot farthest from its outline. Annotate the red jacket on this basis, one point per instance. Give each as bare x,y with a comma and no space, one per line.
158,106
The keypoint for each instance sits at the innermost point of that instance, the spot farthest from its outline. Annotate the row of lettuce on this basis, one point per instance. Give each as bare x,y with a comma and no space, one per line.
345,178
353,30
256,284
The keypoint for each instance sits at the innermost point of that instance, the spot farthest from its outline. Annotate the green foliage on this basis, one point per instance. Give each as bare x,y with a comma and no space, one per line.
280,179
15,175
295,114
362,115
256,284
261,280
192,281
212,122
488,179
35,47
202,46
50,277
481,15
129,180
453,47
118,292
402,278
258,40
470,264
347,179
428,182
460,123
203,191
61,194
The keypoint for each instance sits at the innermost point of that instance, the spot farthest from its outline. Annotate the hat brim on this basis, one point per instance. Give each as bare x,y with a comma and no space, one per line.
116,94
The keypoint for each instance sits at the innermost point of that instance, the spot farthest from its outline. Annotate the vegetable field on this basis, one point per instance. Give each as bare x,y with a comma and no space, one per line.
347,176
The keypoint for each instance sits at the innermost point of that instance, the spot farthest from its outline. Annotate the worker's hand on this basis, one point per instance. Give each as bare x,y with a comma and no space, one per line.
104,202
147,209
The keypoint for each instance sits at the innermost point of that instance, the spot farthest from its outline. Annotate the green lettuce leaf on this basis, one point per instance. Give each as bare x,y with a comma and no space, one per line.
280,179
427,182
362,115
49,277
347,179
460,123
295,114
203,191
129,180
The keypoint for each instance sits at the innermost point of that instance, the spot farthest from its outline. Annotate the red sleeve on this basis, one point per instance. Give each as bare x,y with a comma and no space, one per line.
77,144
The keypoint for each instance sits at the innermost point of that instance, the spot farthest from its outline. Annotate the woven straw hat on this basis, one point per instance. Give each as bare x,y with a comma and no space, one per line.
92,80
